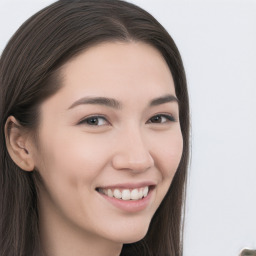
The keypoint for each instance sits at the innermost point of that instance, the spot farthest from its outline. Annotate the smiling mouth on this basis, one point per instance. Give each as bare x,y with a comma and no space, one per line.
125,193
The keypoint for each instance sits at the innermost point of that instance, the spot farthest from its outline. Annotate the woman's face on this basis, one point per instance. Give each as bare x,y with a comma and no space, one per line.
111,131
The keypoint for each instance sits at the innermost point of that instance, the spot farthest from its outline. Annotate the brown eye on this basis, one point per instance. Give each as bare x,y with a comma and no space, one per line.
159,119
94,121
156,119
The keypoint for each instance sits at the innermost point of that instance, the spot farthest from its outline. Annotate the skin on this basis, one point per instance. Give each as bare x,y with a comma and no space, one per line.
125,146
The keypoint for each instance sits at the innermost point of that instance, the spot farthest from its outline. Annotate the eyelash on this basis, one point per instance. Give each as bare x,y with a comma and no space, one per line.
86,120
169,118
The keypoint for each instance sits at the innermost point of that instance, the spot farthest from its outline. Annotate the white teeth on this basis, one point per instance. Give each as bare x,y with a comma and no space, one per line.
109,193
140,193
117,194
135,194
145,191
126,194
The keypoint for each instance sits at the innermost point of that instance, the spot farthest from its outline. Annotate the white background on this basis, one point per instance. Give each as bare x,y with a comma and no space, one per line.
217,40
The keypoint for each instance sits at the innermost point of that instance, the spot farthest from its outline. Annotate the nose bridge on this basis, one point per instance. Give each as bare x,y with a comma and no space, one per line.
132,150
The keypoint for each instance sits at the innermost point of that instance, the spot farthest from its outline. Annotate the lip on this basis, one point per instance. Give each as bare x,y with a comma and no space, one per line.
130,185
131,206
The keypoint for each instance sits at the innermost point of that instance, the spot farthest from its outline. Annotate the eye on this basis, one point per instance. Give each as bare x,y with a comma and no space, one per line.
94,121
160,119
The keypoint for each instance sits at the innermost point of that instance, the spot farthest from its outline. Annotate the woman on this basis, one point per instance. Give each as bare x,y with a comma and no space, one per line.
94,134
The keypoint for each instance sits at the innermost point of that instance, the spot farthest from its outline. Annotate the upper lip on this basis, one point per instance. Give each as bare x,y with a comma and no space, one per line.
129,185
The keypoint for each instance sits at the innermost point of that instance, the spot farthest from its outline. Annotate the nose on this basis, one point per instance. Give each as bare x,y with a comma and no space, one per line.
132,153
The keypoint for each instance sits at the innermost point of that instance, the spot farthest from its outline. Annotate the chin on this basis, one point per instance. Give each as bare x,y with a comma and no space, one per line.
131,234
135,237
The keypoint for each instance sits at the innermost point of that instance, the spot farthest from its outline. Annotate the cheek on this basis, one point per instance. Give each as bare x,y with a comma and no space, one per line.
169,148
168,152
72,159
69,168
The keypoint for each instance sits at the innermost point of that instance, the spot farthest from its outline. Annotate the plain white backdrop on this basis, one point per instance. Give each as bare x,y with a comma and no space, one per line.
217,40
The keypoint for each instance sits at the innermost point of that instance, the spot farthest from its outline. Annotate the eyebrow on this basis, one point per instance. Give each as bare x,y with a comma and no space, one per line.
113,103
164,99
109,102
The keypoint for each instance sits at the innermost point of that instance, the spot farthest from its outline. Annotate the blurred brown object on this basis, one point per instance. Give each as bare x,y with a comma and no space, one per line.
248,252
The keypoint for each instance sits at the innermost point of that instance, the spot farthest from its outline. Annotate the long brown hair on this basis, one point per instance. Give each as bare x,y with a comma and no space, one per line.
29,74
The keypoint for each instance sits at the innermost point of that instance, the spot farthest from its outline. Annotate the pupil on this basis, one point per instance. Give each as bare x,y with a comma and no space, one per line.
156,119
93,120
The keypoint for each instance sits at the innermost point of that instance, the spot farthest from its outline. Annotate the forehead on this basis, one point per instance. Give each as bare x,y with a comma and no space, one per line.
118,64
131,72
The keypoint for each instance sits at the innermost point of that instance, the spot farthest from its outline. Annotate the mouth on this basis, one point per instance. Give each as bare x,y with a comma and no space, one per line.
126,194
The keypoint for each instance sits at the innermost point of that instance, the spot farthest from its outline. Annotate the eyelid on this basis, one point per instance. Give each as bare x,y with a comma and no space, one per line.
85,119
169,117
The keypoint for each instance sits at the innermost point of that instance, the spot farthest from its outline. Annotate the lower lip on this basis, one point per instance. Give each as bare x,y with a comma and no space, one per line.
130,205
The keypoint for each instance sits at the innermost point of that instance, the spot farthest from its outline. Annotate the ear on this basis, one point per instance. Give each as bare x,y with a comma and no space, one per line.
18,144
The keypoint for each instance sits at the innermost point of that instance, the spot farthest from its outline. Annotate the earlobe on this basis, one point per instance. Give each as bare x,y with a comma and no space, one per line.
18,145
